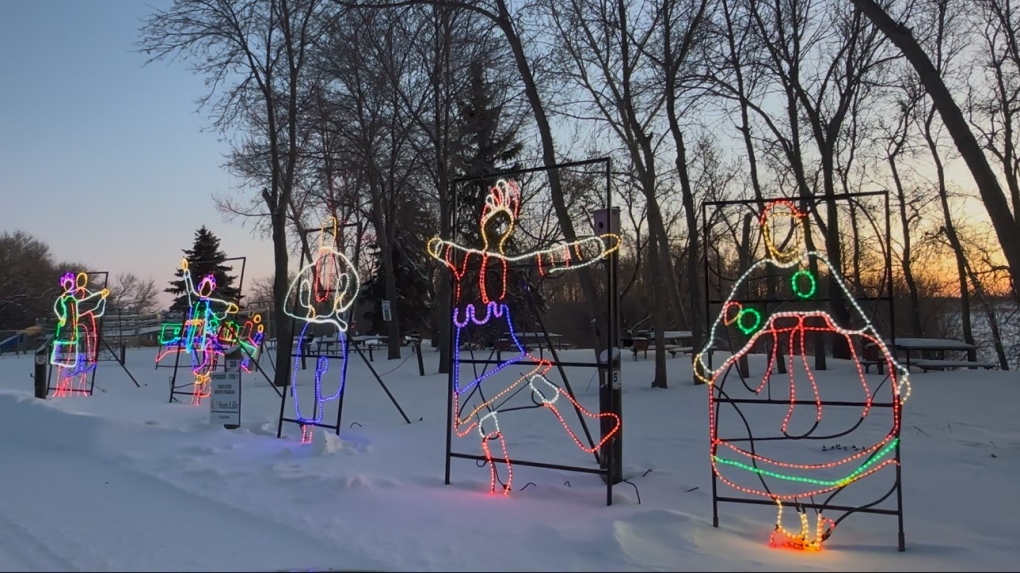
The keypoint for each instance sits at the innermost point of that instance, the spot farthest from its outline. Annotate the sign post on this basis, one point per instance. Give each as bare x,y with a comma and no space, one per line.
225,398
387,314
41,374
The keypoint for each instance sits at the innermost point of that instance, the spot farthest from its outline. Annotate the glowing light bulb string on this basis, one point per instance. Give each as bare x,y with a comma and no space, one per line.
774,330
489,268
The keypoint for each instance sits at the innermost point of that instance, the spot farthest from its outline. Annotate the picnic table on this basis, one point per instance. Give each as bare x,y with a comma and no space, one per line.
529,340
675,342
932,353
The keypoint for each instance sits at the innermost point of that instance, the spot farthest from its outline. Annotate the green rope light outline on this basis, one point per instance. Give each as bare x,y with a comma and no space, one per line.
740,320
850,478
796,287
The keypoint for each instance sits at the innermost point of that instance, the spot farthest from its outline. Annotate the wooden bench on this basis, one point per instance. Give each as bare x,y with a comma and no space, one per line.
927,364
674,349
640,345
869,356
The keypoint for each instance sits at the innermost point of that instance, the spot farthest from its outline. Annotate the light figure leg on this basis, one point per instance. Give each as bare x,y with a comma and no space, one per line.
488,428
548,394
206,359
321,366
805,539
464,423
88,358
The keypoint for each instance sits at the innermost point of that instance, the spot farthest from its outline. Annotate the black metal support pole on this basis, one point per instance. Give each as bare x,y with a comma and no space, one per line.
383,384
611,387
41,374
421,363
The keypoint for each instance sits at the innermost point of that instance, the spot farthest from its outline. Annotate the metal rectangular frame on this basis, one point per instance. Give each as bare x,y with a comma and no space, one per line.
897,487
99,342
178,390
609,460
306,258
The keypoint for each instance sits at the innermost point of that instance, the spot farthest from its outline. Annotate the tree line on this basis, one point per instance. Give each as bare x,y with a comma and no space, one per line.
30,283
368,110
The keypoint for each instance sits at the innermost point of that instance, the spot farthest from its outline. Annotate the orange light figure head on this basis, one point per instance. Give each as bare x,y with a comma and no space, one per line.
502,205
206,286
81,280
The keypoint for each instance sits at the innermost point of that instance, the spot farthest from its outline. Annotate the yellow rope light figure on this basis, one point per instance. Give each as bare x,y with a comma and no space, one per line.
787,330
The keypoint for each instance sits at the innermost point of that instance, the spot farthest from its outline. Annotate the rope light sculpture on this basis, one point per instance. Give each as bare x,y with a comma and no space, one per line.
75,349
785,333
492,264
202,329
246,339
325,290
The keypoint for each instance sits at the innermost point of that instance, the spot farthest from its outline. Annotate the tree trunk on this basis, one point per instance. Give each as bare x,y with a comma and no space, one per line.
991,192
284,325
908,273
991,316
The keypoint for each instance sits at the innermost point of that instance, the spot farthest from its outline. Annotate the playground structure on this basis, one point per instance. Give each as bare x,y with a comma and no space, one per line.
784,320
323,295
77,344
496,282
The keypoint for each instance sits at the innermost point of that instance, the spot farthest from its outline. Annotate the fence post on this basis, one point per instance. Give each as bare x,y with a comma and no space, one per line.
417,350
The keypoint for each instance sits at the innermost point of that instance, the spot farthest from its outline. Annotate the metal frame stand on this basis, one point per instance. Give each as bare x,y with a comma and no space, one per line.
721,397
610,464
345,345
188,389
99,344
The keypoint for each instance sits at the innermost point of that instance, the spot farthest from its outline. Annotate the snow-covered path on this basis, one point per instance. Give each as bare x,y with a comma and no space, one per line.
61,510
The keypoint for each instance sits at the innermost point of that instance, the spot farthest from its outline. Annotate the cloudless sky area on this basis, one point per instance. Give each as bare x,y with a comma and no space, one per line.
108,161
102,158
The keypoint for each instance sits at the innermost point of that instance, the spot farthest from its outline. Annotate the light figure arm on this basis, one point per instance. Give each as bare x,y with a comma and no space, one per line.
60,309
300,290
579,253
94,304
450,254
189,284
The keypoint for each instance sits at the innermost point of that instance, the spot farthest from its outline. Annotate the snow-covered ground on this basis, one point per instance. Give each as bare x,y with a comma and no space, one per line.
125,481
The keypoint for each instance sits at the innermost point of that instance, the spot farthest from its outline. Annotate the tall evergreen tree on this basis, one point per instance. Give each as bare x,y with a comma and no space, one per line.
488,143
204,257
415,291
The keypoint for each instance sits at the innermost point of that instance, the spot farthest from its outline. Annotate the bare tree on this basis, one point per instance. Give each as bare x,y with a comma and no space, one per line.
132,295
253,55
499,13
30,280
1006,228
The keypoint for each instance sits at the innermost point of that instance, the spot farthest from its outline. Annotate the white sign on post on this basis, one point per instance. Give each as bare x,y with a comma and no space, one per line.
225,398
386,312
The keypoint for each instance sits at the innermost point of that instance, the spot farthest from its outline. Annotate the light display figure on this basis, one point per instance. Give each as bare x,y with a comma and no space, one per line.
250,341
785,334
492,264
75,349
324,291
201,336
246,339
